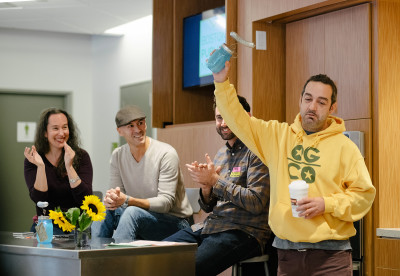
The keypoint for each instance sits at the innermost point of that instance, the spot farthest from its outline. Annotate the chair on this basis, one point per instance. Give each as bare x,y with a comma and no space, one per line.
237,268
270,255
193,195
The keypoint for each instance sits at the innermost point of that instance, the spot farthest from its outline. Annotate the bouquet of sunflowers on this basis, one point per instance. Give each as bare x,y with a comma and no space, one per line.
92,210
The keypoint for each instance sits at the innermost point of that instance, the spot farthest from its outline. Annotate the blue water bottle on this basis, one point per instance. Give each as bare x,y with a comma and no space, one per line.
44,229
217,60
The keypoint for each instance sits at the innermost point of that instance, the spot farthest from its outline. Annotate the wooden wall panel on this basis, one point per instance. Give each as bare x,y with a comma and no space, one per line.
295,10
162,62
192,141
388,112
266,8
348,59
269,73
305,56
387,272
206,140
389,254
244,54
375,127
231,7
180,139
386,73
189,105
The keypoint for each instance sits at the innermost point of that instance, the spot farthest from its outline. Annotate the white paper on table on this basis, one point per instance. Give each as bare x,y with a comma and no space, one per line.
142,243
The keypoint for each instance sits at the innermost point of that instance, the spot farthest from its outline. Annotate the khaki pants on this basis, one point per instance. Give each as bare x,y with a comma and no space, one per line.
314,262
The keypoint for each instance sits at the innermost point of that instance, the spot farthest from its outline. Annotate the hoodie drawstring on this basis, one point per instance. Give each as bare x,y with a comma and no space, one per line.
299,137
316,141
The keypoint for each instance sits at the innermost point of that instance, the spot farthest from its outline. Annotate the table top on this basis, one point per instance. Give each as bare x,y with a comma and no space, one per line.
65,247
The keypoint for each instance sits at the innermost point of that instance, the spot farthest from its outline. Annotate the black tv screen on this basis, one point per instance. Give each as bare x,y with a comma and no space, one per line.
202,33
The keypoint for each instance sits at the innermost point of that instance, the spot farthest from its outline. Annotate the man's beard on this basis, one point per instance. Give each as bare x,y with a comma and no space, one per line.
313,125
225,136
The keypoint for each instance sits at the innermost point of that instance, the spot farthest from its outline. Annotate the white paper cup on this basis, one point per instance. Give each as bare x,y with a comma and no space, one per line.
298,189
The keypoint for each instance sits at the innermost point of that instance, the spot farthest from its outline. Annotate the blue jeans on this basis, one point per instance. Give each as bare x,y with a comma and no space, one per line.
135,223
217,252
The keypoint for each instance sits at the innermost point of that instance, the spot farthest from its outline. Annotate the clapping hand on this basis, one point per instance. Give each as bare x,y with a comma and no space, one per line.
33,156
68,155
204,173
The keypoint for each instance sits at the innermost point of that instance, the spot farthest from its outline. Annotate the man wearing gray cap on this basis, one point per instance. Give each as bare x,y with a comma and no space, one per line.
147,199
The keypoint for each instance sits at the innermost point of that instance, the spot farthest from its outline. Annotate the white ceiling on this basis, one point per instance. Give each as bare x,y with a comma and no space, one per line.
72,16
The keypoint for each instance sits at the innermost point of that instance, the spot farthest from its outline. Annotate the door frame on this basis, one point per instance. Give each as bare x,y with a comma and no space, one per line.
68,94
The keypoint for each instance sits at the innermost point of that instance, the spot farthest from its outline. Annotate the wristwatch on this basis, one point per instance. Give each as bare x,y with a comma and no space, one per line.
72,181
126,203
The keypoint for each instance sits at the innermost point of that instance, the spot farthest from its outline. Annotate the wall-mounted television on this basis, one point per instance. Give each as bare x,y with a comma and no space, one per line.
202,33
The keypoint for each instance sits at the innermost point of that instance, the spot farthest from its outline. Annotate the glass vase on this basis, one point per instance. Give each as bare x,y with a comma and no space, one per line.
44,229
82,238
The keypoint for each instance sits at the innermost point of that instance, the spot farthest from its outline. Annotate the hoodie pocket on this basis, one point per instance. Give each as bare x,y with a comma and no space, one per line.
287,227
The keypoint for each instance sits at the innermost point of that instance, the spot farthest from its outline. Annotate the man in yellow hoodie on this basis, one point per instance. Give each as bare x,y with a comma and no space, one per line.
315,150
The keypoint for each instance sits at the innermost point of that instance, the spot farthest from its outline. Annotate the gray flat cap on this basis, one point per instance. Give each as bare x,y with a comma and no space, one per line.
128,114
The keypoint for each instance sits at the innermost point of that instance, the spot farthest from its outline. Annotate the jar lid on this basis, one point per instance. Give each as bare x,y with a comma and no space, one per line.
43,217
226,48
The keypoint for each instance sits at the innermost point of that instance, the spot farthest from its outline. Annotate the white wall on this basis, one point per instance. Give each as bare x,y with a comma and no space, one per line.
117,62
50,62
91,68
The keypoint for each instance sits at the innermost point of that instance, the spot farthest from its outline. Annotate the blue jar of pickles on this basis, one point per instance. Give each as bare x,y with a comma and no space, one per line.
44,229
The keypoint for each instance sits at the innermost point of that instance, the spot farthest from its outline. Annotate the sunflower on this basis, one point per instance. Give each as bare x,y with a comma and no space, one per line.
67,226
56,216
94,207
59,219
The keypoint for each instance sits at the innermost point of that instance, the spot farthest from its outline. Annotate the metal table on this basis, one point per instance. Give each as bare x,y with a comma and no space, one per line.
28,257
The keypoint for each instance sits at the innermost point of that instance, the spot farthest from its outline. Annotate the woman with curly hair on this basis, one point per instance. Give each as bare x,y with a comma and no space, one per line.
56,169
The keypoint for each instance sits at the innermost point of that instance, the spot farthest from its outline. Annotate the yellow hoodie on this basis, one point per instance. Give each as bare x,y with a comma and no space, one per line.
327,160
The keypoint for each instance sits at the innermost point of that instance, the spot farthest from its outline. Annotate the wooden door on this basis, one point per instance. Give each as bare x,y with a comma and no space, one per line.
336,44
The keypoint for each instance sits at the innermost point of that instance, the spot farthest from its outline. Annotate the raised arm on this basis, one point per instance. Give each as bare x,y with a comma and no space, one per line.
248,129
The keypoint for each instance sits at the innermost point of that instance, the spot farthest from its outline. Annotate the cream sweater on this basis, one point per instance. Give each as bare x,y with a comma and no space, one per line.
157,177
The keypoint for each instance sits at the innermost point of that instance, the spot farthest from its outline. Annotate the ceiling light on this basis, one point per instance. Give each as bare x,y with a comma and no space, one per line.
128,27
